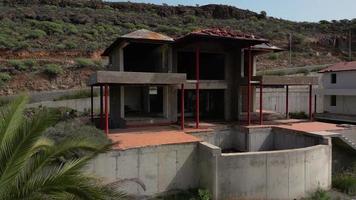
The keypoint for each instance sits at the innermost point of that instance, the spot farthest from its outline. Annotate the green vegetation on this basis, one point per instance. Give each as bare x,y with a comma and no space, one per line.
298,115
199,194
22,65
319,195
345,181
92,25
86,62
4,77
53,70
34,166
295,70
77,95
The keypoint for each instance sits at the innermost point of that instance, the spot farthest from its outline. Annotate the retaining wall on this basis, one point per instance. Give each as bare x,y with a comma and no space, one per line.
161,169
264,173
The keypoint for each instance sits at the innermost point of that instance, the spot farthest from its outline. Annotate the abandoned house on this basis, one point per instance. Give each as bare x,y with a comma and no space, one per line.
206,75
183,114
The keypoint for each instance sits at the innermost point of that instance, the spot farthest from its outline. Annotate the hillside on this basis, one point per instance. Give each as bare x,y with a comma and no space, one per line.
37,37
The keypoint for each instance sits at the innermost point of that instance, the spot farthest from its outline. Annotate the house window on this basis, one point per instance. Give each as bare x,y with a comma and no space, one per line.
333,100
333,78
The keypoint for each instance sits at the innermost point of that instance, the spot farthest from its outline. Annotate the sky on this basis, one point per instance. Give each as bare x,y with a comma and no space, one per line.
295,10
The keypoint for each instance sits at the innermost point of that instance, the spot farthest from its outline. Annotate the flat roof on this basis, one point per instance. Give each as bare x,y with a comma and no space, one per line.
136,78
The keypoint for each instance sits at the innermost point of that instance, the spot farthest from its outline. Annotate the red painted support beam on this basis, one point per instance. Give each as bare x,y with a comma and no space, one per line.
310,102
287,101
197,68
92,104
261,103
249,88
182,108
106,109
101,108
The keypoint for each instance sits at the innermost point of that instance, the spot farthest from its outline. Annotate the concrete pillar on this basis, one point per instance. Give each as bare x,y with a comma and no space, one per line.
117,110
166,104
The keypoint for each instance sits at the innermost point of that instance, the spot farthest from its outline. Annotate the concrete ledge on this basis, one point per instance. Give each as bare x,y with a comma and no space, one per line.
118,77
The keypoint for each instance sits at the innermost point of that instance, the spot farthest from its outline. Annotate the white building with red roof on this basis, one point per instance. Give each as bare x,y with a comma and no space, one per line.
338,87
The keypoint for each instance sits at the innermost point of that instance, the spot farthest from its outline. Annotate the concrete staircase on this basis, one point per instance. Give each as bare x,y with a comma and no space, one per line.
349,137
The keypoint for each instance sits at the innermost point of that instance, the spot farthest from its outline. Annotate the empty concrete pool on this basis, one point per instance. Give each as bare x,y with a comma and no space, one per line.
269,163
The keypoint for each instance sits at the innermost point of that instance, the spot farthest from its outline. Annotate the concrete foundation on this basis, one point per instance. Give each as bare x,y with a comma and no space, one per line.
269,163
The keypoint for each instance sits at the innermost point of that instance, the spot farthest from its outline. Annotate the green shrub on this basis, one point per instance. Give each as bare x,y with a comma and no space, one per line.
273,56
345,182
85,62
30,63
319,195
53,70
4,77
49,27
298,115
18,64
70,45
36,34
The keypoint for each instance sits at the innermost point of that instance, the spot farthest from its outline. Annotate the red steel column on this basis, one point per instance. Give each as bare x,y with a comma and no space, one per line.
106,109
261,103
197,68
249,88
92,103
287,101
182,108
310,102
101,108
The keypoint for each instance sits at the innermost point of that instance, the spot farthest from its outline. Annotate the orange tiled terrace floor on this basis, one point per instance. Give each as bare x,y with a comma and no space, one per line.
165,135
150,136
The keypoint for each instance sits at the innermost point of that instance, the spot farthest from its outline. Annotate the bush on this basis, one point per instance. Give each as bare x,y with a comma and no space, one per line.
345,181
85,62
18,64
53,70
4,77
273,56
319,195
298,115
30,63
36,34
73,129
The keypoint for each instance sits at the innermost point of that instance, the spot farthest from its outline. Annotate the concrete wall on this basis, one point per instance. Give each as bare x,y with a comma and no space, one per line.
75,104
287,174
278,174
160,169
344,105
274,99
344,80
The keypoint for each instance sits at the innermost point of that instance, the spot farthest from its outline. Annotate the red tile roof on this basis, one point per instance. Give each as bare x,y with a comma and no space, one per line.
343,66
227,33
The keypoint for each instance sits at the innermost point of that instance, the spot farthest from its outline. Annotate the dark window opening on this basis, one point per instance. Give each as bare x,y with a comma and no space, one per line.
212,65
211,104
142,57
333,78
333,100
143,101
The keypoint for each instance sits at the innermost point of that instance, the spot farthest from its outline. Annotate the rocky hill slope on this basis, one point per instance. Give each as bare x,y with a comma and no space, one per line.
37,36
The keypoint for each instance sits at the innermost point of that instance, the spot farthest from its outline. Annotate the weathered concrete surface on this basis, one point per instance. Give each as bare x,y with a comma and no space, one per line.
160,168
286,174
116,77
281,164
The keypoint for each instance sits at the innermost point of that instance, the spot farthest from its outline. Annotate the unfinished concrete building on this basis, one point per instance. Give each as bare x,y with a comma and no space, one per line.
207,75
182,111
